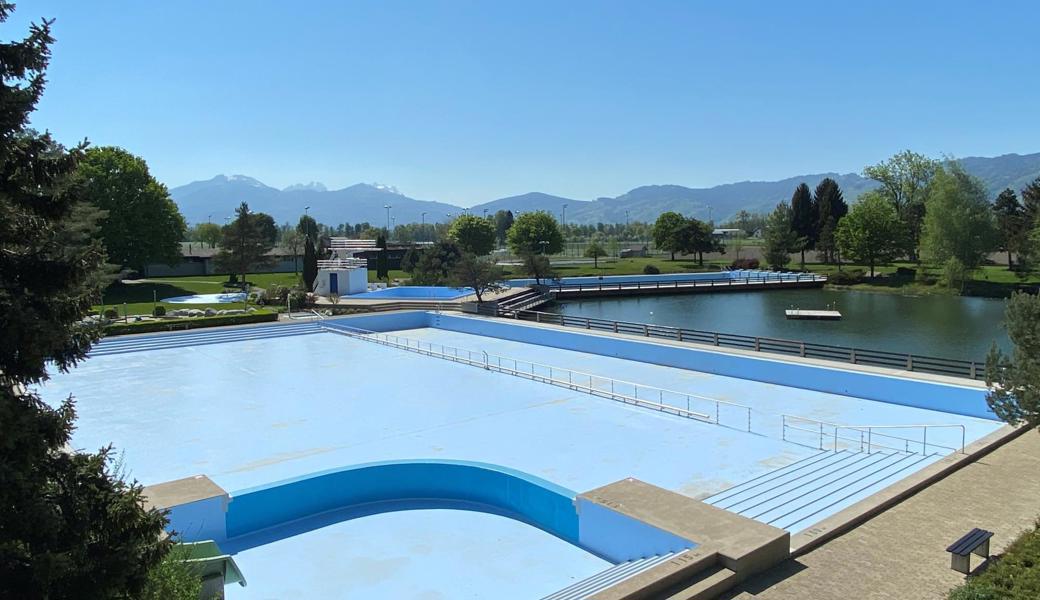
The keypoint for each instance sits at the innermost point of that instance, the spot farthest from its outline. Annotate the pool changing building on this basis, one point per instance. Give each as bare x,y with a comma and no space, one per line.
344,274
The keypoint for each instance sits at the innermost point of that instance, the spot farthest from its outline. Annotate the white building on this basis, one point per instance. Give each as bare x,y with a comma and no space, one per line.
343,274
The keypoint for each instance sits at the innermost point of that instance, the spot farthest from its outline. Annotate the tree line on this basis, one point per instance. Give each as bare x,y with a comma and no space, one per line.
924,210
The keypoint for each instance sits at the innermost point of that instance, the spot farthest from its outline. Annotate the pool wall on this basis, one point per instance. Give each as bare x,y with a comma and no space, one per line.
951,398
360,490
416,293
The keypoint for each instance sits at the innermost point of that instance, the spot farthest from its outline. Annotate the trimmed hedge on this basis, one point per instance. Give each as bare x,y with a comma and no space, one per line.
189,323
1014,576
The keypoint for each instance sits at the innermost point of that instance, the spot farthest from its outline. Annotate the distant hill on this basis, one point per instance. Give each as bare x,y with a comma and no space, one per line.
364,202
217,198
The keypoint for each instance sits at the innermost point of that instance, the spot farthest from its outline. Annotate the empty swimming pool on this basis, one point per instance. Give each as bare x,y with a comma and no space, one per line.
254,406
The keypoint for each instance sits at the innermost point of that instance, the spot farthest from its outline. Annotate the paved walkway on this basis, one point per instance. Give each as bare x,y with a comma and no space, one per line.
900,554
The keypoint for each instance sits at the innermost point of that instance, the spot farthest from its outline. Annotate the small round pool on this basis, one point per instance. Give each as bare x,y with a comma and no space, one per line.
416,292
207,298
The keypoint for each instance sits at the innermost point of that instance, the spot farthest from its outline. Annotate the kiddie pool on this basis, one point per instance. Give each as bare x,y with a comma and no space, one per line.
207,298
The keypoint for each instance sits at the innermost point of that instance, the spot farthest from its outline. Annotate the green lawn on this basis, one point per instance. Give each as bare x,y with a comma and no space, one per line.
138,297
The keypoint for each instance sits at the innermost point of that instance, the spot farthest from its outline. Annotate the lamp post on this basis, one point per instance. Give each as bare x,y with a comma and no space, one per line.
563,216
305,209
543,244
387,207
485,213
209,218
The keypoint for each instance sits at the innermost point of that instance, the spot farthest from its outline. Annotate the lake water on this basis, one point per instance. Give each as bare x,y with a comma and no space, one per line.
942,326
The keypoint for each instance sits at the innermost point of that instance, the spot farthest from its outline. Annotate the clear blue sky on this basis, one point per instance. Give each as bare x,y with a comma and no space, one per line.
470,101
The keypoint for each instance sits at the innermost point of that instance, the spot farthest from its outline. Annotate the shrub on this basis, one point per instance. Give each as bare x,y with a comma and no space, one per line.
111,313
189,323
173,579
276,294
850,277
232,279
906,272
298,297
651,270
334,298
745,263
159,311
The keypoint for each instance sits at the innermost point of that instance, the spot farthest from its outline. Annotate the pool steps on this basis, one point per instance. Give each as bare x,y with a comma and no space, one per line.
790,496
164,341
600,581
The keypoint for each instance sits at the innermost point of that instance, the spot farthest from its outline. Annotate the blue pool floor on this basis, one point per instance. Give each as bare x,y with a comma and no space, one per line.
428,554
254,412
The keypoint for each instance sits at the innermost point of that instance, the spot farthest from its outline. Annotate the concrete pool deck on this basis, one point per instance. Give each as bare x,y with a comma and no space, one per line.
255,411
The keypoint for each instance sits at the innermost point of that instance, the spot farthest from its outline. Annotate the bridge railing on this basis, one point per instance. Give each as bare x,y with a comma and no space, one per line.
859,356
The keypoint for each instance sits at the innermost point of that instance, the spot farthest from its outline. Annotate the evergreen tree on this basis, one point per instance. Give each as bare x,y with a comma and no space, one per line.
1031,205
804,215
503,221
308,227
69,526
310,264
831,208
779,238
1014,381
1010,216
382,260
246,243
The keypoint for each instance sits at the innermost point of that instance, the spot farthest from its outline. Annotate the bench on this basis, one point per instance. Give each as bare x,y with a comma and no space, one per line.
975,542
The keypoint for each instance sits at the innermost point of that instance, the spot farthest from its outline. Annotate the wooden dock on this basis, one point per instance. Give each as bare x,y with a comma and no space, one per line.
813,315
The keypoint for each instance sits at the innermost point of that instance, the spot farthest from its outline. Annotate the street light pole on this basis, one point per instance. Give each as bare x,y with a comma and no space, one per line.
563,217
387,207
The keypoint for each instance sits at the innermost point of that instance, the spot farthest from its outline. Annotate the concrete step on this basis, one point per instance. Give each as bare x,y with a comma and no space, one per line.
709,584
604,579
137,343
798,495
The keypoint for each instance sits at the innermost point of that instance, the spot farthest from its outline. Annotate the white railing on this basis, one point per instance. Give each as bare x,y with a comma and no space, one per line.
342,263
708,410
338,243
865,437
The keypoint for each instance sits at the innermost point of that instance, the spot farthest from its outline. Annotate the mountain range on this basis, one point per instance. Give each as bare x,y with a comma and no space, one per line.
215,199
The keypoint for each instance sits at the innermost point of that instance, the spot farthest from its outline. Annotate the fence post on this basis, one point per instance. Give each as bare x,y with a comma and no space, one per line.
538,317
716,336
679,332
757,345
909,362
852,355
646,330
615,326
802,348
588,324
973,371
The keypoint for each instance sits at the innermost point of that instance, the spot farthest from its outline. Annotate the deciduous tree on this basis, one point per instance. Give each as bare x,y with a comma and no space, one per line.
872,233
668,232
594,251
959,229
142,224
535,233
70,527
473,234
481,274
904,182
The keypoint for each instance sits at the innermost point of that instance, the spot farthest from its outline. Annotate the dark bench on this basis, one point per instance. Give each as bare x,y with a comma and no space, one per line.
975,542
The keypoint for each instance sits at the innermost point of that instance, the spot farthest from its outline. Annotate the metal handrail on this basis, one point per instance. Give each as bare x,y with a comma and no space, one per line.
827,430
680,283
608,387
969,369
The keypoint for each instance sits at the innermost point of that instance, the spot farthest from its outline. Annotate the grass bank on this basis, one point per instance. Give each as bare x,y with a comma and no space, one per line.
150,326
